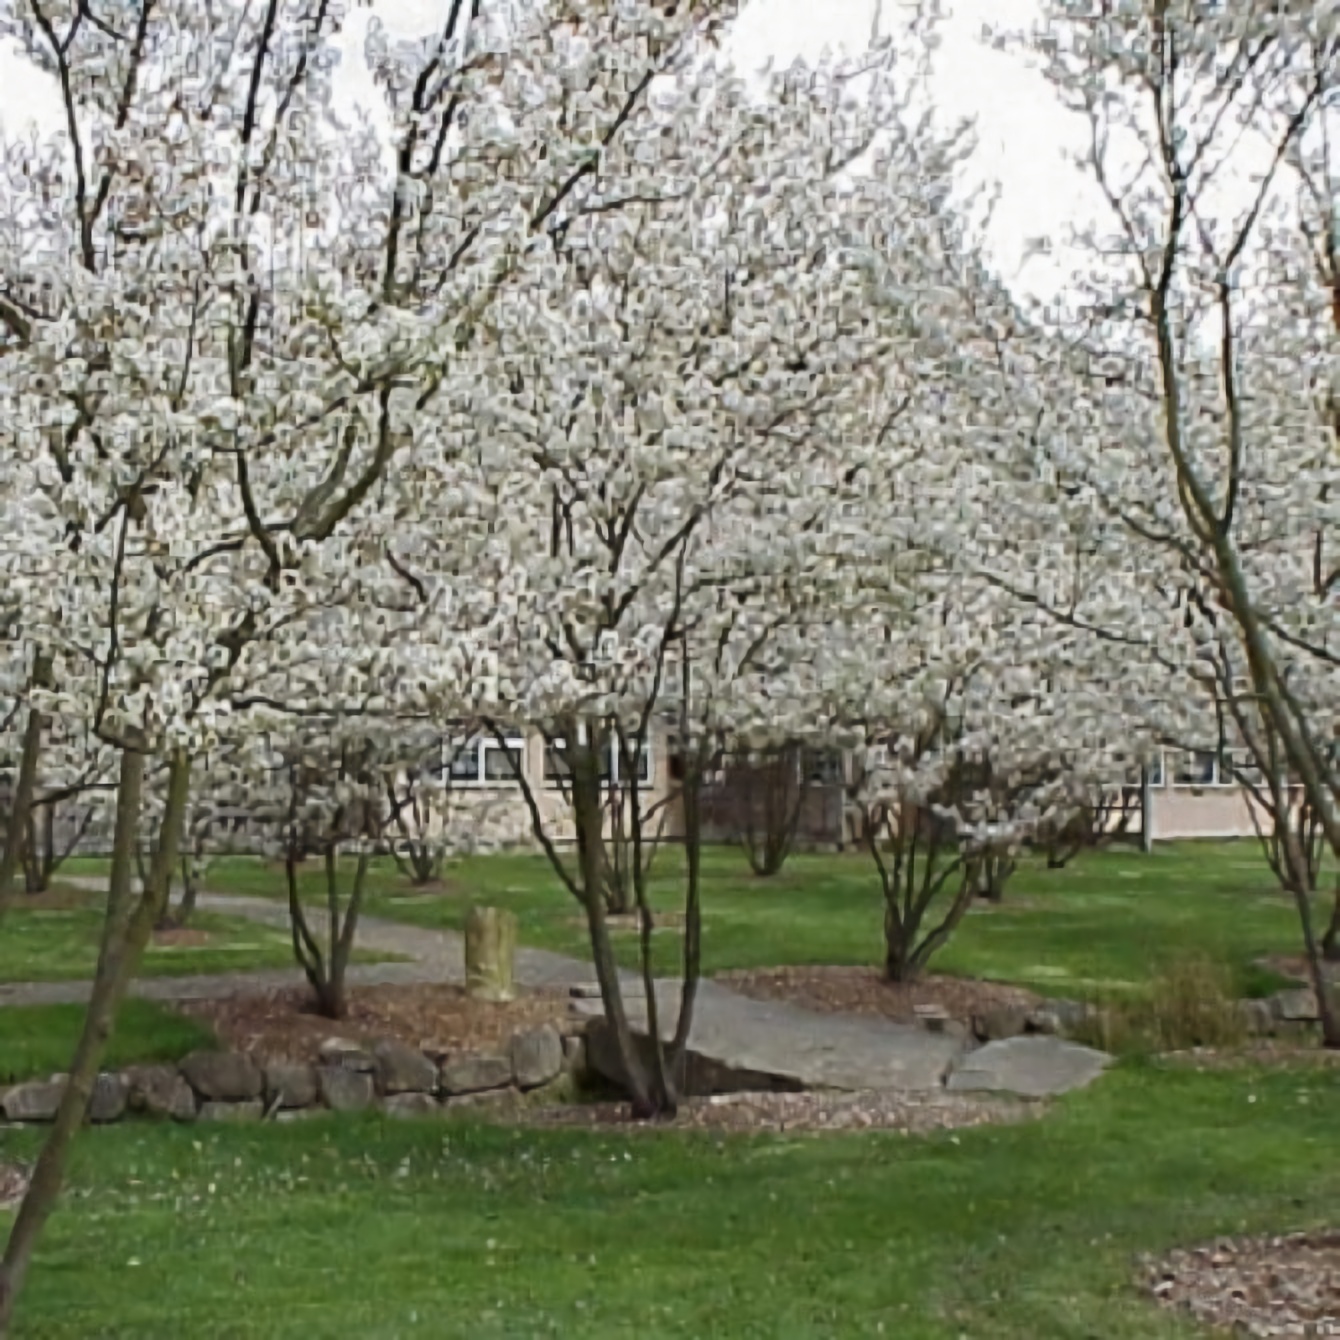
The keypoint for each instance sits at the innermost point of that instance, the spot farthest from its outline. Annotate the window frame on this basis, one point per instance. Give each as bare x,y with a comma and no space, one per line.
478,747
609,774
1214,782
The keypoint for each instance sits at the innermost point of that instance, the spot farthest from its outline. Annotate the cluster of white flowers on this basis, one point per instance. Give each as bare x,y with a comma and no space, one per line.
627,386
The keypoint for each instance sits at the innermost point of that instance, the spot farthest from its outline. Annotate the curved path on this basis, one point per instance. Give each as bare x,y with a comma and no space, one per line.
799,1047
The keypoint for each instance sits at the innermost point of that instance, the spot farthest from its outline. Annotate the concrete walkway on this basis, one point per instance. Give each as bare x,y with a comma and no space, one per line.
432,956
802,1047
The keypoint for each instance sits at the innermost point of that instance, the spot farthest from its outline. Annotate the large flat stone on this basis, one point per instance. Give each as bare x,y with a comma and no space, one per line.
740,1043
1037,1066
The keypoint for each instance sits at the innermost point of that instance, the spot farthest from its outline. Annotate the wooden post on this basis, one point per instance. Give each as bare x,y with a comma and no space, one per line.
490,954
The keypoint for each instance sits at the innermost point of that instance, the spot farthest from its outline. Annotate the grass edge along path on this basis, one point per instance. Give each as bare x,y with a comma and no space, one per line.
1103,927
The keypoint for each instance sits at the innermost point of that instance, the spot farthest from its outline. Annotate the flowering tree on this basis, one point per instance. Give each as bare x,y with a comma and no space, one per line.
655,420
1199,356
223,318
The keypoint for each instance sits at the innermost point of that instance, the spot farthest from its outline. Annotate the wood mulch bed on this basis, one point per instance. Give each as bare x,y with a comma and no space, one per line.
856,990
909,1112
1280,1286
439,1020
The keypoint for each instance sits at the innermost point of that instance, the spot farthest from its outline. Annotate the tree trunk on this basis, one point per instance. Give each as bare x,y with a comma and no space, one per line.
126,931
39,849
587,816
16,829
190,890
898,964
1330,940
327,969
899,941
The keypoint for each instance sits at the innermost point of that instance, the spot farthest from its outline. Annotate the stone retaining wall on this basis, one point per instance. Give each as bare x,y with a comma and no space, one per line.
234,1086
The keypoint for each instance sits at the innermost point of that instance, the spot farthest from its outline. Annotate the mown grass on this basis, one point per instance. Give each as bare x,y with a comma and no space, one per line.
60,943
1106,926
39,1040
343,1227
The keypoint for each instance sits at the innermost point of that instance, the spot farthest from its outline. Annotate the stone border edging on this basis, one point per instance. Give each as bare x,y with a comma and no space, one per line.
391,1077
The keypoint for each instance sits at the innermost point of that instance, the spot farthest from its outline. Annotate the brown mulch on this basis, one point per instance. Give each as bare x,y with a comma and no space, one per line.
909,1112
438,1020
13,1183
1282,1286
848,990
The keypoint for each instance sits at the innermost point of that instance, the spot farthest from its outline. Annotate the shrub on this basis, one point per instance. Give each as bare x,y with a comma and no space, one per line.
1191,1003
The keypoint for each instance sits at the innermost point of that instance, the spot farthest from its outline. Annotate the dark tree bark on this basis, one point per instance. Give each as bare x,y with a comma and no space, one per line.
771,791
1330,940
25,787
126,929
326,969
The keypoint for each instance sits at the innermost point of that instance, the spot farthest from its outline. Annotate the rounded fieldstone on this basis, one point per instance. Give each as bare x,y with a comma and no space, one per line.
108,1099
403,1069
476,1074
223,1077
345,1090
290,1085
537,1056
159,1091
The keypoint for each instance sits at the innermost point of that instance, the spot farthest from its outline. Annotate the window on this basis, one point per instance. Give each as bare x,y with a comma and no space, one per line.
1199,767
482,761
1239,763
502,762
557,771
1156,777
642,762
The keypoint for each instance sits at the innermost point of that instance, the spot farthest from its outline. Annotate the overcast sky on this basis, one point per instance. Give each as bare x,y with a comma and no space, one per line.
1019,125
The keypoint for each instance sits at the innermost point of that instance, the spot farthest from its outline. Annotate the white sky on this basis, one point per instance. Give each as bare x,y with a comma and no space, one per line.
1019,124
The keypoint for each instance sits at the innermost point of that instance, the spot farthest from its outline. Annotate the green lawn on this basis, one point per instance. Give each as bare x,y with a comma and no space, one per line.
345,1227
1103,926
61,943
39,1040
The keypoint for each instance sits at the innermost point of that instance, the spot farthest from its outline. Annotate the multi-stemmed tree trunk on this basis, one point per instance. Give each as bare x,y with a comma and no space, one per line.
918,859
43,852
770,788
418,856
127,926
1098,822
326,969
654,1074
354,822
